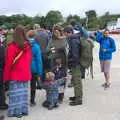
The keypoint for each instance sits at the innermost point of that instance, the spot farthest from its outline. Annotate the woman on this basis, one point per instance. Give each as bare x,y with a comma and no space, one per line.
18,72
107,47
36,66
57,47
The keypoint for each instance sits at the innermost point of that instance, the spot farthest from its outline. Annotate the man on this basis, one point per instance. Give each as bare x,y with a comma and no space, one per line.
74,53
3,105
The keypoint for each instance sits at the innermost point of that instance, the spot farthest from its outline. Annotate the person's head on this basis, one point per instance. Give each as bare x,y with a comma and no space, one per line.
31,34
57,31
106,33
36,27
68,31
19,36
58,62
49,76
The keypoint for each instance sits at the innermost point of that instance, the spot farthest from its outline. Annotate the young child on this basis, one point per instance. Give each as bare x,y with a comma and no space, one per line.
60,73
51,85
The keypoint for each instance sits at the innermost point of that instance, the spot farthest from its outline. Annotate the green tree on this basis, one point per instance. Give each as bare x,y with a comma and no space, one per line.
91,17
53,17
73,19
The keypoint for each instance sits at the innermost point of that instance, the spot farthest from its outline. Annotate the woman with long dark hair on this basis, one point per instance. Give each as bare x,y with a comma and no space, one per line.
18,72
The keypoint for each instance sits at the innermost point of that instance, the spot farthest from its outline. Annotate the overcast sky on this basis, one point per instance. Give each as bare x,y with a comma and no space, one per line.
41,7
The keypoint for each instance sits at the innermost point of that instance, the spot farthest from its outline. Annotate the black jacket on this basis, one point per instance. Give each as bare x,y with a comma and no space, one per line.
74,52
2,52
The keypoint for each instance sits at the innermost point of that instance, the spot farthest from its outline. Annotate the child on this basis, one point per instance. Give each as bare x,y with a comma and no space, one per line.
60,73
51,85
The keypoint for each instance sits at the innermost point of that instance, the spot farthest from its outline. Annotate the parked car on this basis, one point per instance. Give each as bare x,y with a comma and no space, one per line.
115,31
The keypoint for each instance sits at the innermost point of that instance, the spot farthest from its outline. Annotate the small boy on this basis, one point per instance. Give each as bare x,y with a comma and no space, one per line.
60,73
51,85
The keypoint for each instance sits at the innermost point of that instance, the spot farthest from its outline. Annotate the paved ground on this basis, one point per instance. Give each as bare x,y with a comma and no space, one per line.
98,103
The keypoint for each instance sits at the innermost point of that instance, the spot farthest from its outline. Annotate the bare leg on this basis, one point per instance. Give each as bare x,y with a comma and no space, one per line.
107,77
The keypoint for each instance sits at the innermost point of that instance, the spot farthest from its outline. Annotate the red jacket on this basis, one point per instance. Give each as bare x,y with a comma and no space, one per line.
21,70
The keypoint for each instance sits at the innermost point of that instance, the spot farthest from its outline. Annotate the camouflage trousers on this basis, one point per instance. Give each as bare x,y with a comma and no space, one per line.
77,82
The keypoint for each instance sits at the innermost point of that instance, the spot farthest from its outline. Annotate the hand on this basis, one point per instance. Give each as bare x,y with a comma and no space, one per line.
104,50
38,78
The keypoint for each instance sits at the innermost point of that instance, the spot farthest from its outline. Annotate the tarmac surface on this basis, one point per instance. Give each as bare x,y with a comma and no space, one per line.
98,104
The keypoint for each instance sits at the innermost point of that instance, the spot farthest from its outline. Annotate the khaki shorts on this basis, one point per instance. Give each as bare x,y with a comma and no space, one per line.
105,65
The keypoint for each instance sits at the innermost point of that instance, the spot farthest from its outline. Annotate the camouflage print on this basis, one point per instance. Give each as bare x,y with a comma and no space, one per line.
77,81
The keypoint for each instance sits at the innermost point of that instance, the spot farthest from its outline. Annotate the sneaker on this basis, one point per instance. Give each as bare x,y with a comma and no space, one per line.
19,116
76,102
50,107
103,85
25,114
107,85
56,105
72,98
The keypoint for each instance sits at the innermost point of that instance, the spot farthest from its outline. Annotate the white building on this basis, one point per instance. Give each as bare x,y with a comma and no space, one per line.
114,25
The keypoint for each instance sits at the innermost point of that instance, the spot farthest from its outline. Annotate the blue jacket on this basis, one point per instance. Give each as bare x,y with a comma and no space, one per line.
37,65
105,43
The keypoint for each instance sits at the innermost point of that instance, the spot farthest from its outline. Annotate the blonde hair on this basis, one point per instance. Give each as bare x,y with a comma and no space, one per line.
50,76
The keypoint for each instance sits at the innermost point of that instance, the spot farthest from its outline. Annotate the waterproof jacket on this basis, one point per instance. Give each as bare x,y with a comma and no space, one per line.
21,69
105,43
74,50
36,66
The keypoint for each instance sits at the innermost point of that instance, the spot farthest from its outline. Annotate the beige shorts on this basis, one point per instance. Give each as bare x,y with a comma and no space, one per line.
105,65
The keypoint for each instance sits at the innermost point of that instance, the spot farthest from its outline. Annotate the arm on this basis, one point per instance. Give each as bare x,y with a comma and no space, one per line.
113,46
38,59
46,86
61,81
85,32
99,36
9,57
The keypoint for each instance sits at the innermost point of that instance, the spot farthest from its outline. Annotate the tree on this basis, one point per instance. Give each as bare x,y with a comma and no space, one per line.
53,17
92,20
73,19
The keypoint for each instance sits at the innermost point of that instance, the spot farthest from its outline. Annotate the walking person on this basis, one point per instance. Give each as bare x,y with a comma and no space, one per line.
18,72
107,47
36,66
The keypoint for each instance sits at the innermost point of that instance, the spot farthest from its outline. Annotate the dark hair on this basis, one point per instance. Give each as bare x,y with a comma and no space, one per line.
68,30
58,61
19,36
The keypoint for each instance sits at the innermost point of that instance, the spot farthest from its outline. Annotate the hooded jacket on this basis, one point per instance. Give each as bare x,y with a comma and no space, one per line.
36,66
105,43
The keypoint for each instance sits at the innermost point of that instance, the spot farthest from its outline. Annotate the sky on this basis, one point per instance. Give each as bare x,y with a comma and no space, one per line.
66,7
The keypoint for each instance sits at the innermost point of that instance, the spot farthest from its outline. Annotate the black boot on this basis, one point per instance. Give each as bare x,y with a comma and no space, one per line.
45,104
61,96
76,102
72,98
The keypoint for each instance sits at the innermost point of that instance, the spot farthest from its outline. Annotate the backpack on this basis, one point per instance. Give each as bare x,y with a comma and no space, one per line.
86,52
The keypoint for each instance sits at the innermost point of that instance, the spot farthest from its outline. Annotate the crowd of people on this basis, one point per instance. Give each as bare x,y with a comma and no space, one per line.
44,59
